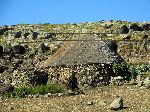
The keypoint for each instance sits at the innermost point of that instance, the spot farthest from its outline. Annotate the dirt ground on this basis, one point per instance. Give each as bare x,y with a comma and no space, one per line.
94,100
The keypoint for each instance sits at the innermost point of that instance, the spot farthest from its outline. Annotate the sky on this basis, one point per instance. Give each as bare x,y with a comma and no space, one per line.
72,11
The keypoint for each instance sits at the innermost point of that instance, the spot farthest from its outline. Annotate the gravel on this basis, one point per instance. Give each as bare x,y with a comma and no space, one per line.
135,100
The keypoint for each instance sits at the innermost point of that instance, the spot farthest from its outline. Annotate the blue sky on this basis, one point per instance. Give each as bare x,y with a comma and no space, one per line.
72,11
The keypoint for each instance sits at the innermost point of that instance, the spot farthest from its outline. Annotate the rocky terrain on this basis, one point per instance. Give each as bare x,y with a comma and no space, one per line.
94,100
25,47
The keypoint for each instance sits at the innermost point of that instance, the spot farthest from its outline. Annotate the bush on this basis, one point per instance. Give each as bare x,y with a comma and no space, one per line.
43,89
130,70
122,70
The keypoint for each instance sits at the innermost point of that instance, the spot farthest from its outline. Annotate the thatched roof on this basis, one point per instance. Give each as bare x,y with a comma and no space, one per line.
84,52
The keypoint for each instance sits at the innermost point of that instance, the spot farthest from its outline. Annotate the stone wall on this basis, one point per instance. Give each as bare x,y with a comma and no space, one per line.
90,74
87,75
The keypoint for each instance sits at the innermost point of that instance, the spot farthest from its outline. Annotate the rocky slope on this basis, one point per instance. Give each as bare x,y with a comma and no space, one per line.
24,46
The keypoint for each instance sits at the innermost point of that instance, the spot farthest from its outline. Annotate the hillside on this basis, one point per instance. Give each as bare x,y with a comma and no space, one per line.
92,49
24,46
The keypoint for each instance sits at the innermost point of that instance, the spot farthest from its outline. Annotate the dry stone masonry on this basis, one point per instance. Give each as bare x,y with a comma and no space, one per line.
92,60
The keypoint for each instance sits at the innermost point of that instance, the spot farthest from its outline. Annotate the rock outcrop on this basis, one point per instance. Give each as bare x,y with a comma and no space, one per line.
124,29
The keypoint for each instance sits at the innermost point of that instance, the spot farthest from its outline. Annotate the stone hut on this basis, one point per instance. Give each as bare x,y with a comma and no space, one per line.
89,56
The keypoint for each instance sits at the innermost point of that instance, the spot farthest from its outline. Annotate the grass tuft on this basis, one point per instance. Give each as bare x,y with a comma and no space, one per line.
43,89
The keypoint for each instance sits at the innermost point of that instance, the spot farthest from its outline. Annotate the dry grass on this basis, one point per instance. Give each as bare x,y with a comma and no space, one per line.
135,100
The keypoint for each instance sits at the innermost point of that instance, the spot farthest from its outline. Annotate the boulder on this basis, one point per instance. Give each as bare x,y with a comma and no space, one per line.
134,27
34,35
18,49
48,35
1,50
3,30
145,36
17,34
26,35
6,88
124,29
145,27
2,68
43,48
117,103
108,26
127,37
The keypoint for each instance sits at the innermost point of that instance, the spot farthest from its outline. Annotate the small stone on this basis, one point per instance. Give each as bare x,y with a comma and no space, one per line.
139,77
49,94
118,78
142,87
102,103
36,96
10,108
100,84
70,92
6,88
41,96
26,96
139,84
146,81
46,95
30,96
1,98
117,103
89,103
132,82
127,37
85,85
60,94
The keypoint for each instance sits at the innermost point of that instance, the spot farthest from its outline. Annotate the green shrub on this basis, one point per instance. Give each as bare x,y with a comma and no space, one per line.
43,89
122,70
130,70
